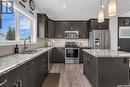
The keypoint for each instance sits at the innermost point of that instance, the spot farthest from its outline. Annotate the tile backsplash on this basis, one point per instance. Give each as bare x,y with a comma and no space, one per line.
61,42
7,50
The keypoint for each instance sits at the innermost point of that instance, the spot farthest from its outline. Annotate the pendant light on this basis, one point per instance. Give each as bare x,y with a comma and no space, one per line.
100,13
112,7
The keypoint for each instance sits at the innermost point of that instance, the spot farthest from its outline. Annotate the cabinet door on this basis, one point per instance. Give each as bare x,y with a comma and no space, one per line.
59,55
42,26
46,62
46,27
37,81
51,31
50,58
80,26
60,28
81,56
29,74
3,81
94,25
21,76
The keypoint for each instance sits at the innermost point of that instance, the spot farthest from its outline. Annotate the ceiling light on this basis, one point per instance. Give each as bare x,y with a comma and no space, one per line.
64,6
112,7
101,13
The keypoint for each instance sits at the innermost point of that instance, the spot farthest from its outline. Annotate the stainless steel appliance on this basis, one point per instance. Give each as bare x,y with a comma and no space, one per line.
99,39
71,53
71,34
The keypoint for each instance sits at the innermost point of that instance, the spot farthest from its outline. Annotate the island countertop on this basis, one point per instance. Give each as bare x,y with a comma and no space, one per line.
106,53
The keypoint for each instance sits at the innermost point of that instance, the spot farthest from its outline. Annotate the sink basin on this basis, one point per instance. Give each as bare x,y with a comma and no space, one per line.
29,52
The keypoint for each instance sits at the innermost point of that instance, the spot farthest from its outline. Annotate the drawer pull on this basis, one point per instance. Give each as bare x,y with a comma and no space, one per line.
29,64
4,82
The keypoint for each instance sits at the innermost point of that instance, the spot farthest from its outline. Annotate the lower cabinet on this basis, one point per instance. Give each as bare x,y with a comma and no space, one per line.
106,71
59,55
30,74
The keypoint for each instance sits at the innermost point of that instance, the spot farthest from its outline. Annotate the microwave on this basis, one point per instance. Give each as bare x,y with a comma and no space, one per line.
71,34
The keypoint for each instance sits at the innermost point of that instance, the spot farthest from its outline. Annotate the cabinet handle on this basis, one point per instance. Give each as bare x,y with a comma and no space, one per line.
4,82
125,60
29,64
88,62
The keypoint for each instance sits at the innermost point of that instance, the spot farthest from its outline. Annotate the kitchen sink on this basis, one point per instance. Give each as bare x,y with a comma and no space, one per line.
29,52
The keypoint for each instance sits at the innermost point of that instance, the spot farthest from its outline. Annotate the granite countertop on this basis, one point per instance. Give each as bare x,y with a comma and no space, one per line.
106,53
10,62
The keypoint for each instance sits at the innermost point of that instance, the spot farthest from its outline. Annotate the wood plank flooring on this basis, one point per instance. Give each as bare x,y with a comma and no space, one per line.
71,75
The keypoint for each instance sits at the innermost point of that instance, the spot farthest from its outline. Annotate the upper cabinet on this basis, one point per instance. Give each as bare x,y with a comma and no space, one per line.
94,25
62,26
51,31
42,26
56,29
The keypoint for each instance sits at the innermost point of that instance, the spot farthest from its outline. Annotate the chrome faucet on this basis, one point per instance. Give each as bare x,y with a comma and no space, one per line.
25,43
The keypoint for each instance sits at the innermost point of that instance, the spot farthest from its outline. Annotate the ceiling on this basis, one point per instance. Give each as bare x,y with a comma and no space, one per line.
71,9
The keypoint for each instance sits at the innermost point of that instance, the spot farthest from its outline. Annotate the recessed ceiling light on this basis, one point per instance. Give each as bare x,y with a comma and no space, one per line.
64,6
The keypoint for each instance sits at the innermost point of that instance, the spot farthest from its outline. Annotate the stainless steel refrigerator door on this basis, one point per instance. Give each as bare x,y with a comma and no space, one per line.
107,40
101,39
97,39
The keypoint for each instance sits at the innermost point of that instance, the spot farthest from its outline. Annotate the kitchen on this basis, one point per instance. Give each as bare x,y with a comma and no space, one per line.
46,43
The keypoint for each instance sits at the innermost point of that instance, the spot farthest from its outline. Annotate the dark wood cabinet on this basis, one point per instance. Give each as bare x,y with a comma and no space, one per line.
59,55
30,74
81,53
106,71
51,57
51,31
62,26
42,26
3,80
94,25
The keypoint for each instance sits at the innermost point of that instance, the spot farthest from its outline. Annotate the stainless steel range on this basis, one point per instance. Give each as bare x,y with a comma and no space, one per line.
71,53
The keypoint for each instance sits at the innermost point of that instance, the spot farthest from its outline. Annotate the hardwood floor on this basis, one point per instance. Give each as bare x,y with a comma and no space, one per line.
71,75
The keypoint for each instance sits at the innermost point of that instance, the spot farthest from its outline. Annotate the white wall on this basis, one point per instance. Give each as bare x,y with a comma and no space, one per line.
113,26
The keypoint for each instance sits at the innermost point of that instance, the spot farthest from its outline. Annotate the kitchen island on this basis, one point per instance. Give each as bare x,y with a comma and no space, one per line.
106,68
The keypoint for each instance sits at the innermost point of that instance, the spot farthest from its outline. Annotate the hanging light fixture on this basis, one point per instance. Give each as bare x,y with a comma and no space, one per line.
100,13
112,7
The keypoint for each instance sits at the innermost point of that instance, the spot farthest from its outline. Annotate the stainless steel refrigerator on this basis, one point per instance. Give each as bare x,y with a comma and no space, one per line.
99,39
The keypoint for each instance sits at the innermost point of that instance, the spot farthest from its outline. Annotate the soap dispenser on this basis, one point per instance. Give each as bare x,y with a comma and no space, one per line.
16,49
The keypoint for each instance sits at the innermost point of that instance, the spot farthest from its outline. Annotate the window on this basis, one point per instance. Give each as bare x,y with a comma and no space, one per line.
15,25
25,27
7,30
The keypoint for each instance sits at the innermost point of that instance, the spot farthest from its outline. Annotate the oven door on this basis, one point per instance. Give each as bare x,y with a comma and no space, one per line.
72,53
